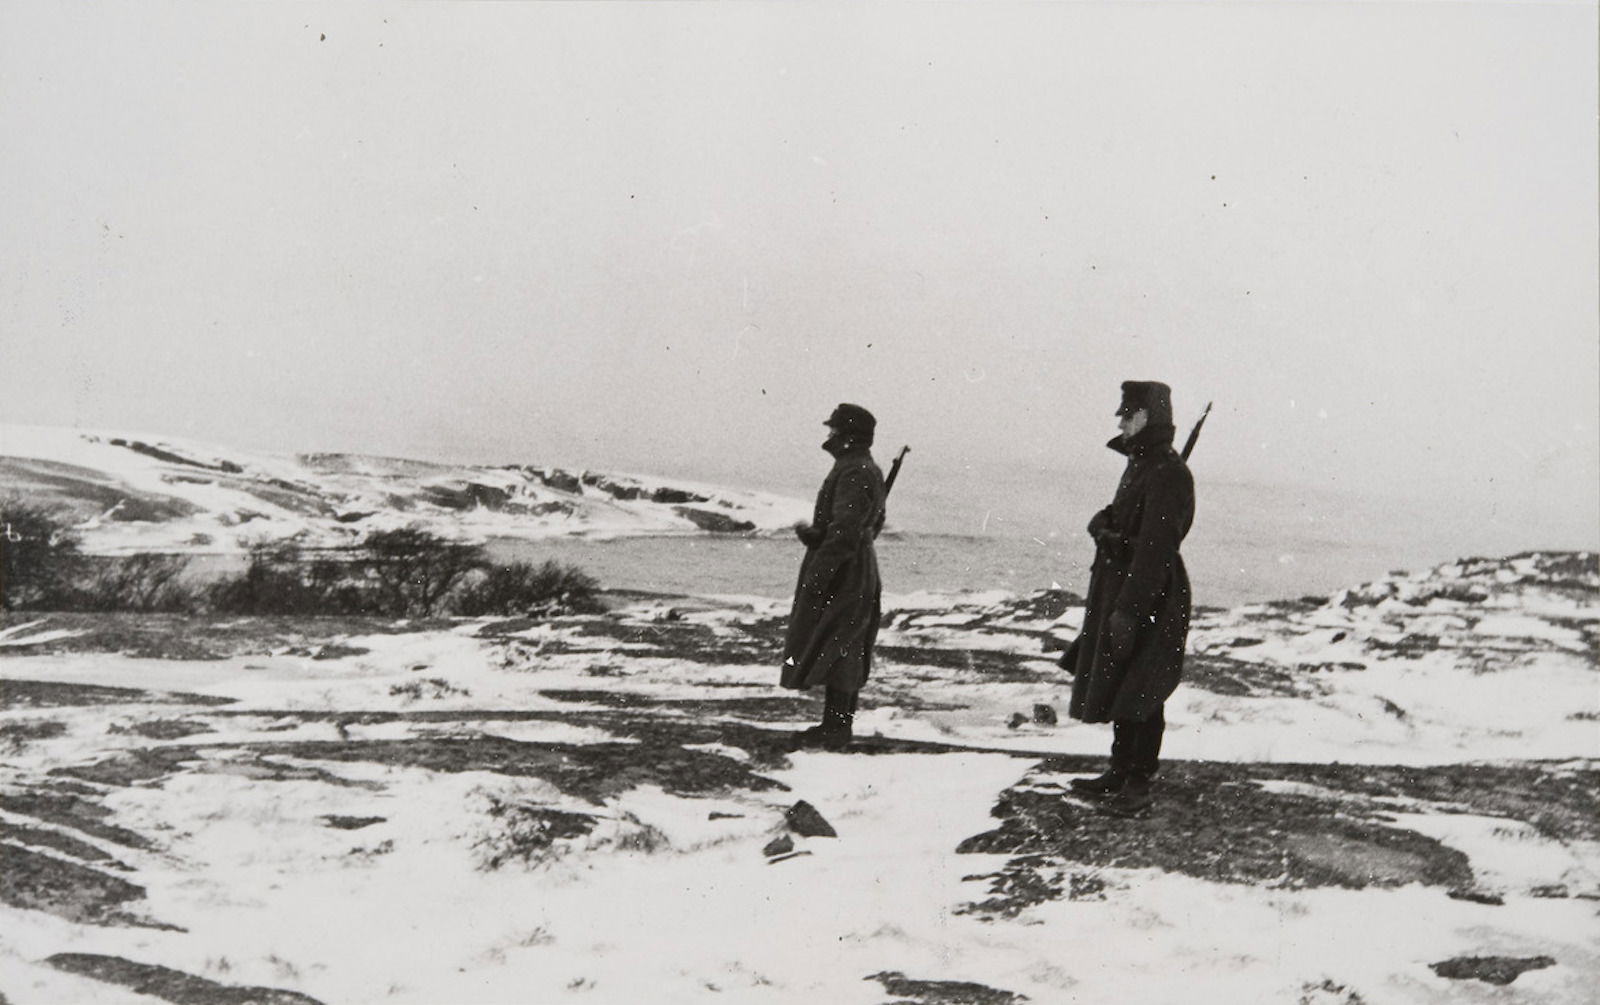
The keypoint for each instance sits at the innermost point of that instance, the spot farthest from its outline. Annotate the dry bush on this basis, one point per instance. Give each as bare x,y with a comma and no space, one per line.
524,588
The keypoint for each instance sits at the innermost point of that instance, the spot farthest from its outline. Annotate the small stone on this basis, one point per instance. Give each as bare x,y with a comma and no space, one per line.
1477,897
804,820
1044,715
1017,719
783,844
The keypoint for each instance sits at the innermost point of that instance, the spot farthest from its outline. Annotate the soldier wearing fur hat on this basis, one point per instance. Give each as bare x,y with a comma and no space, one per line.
834,622
1129,656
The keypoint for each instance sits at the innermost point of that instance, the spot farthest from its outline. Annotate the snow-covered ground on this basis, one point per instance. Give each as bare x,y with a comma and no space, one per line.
583,809
131,492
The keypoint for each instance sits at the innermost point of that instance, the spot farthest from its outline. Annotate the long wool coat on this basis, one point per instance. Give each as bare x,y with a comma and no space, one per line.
1139,572
834,622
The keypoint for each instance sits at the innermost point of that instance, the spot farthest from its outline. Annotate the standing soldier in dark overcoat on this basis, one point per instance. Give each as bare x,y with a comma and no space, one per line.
1129,656
837,601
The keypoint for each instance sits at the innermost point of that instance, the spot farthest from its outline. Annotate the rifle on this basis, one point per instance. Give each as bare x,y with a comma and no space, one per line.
888,483
1194,434
894,470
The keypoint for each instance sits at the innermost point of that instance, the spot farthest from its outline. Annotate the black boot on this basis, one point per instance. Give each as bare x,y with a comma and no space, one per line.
1101,786
1133,797
838,719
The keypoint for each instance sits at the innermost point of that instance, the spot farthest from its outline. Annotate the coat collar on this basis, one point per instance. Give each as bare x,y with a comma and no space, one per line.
1152,439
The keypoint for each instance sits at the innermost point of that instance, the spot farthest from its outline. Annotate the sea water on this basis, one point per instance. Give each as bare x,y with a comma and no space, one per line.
1248,543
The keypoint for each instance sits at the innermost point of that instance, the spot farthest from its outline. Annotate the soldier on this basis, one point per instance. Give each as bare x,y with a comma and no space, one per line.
834,622
1129,656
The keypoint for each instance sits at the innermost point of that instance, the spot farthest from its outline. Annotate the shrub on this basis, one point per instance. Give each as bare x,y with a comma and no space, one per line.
144,582
39,554
412,570
278,580
523,588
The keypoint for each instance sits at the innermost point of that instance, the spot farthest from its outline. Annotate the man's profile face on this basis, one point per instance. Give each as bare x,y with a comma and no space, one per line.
1131,424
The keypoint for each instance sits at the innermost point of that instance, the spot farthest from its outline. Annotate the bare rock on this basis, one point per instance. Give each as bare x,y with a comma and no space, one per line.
783,844
168,984
805,821
716,523
1490,969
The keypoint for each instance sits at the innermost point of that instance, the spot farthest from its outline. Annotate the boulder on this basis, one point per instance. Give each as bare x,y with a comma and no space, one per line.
805,821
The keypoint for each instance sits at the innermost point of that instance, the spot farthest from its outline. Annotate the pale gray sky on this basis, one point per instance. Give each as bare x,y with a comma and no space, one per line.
670,237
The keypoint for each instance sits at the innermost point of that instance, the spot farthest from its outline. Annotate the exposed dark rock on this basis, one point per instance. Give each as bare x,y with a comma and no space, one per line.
783,844
1490,969
1241,678
165,729
73,811
625,491
943,992
589,771
1044,715
186,637
40,837
1477,897
16,735
69,890
672,495
805,821
1209,821
345,823
1029,880
171,985
1041,605
763,708
561,481
469,495
716,523
987,664
159,454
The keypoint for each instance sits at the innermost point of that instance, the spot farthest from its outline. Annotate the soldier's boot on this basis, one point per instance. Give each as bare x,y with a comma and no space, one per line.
838,721
1134,797
1101,786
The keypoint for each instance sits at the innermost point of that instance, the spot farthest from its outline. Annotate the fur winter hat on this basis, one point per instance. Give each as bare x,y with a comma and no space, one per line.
1151,395
852,419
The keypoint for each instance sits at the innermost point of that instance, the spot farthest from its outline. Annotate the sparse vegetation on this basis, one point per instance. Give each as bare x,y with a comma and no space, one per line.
525,588
142,583
39,554
408,572
412,571
527,833
279,580
433,687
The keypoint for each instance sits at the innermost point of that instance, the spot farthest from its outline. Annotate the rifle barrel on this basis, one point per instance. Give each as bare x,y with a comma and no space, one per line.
894,469
1194,434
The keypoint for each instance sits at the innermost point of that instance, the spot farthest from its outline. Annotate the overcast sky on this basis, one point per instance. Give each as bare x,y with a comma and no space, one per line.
669,238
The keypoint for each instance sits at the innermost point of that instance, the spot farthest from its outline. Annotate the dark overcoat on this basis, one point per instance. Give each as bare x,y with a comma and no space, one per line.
1137,571
837,601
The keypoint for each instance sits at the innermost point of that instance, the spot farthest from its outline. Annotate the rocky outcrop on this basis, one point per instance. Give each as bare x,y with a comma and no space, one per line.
716,523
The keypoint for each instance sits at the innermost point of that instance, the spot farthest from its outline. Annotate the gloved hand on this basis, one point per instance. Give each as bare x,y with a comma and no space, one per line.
808,535
1100,523
1121,631
1105,535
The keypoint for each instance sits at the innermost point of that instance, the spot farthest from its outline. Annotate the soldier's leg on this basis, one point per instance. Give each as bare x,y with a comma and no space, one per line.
1142,746
1144,757
1122,751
